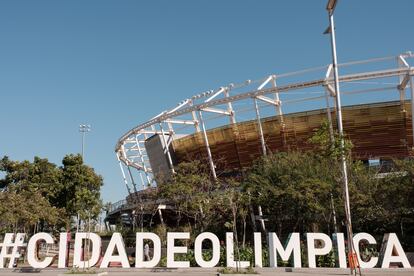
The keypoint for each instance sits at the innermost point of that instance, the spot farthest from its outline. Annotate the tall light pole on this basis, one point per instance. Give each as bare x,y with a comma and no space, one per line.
83,129
330,7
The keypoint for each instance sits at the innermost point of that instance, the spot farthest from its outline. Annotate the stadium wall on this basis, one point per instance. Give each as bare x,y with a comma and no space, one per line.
377,131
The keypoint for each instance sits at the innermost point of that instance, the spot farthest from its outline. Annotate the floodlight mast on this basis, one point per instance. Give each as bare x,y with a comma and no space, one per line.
331,30
331,5
84,129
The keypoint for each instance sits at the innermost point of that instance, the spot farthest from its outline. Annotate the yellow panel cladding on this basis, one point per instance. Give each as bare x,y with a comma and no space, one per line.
357,119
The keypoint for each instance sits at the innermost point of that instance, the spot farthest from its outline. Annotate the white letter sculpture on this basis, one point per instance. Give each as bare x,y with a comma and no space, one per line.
394,243
172,249
275,246
32,249
230,253
139,253
118,243
198,249
96,249
312,251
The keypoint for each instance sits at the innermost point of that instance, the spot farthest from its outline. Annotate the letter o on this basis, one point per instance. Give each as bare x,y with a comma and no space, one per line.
198,252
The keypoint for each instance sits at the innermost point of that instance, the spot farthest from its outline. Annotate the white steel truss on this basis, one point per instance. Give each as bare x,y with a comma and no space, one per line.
130,149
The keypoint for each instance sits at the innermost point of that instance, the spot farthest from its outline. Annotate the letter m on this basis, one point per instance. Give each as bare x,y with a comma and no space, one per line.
275,247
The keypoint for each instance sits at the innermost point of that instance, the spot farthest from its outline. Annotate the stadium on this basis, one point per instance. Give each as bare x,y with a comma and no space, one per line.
232,126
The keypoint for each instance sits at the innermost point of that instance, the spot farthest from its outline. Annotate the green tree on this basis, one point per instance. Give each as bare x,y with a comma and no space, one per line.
328,145
382,202
37,176
297,191
191,192
29,191
39,193
24,210
293,189
81,193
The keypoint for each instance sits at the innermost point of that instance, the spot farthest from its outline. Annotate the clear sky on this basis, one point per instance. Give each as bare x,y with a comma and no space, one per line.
115,64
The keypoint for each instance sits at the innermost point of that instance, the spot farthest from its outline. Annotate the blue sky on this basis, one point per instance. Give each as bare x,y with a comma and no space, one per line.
115,64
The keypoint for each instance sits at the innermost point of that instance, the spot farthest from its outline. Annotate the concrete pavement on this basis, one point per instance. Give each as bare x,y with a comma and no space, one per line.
213,271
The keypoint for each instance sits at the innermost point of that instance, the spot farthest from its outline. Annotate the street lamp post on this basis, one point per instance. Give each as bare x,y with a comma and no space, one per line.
331,30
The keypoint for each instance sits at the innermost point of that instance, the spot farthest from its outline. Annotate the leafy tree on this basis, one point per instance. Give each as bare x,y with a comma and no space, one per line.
383,202
293,189
191,191
296,188
297,191
40,175
41,193
328,145
206,204
29,191
23,210
81,193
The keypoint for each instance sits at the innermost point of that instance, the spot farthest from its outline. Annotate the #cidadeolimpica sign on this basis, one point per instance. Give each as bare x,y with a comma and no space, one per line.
391,252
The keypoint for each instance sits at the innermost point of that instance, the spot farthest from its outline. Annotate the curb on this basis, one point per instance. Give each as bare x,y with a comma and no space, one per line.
83,274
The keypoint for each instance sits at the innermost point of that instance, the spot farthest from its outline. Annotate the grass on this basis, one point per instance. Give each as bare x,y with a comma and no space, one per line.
76,270
228,270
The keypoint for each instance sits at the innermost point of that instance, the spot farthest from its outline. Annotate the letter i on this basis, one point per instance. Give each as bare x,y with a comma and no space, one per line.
63,243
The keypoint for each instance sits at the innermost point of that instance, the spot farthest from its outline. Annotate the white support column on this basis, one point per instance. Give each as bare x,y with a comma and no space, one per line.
210,158
142,181
328,87
170,140
328,75
144,166
279,106
166,149
171,135
123,174
259,124
194,115
230,107
401,64
170,128
134,185
279,111
328,113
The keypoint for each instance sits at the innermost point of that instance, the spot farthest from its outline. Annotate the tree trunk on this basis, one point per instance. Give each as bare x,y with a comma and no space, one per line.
244,232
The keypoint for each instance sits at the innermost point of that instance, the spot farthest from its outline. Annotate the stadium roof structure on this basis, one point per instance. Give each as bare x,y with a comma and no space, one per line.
376,80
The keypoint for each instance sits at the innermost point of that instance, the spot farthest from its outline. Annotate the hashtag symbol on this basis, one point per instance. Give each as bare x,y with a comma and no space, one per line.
10,249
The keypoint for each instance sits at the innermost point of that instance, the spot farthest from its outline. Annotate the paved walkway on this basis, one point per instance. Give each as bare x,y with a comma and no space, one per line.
213,272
